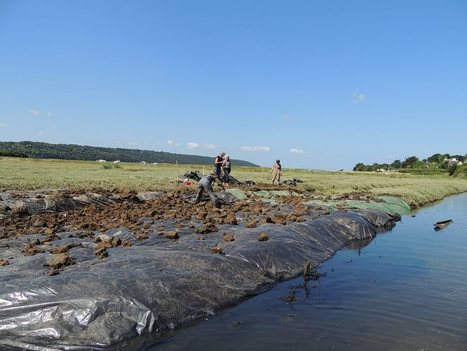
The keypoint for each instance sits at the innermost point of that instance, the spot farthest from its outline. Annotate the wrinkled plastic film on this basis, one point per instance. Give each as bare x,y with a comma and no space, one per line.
159,285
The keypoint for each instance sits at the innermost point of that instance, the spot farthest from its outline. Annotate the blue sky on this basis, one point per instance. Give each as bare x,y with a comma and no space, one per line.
317,84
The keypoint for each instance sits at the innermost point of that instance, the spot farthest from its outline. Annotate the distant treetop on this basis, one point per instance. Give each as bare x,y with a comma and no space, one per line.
91,153
437,163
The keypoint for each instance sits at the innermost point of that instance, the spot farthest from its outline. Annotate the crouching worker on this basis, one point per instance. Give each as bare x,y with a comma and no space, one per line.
206,183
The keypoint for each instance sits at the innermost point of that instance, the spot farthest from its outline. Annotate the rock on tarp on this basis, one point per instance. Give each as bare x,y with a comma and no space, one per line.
161,284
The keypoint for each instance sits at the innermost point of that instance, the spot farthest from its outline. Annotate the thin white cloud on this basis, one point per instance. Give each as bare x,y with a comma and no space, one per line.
132,143
172,143
38,113
359,97
256,148
3,125
191,146
295,150
40,132
35,112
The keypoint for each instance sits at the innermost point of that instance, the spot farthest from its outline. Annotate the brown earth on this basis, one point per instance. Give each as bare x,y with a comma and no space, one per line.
141,218
130,211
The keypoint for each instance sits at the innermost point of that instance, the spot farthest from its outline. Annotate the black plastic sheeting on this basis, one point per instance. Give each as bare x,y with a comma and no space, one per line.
160,285
55,201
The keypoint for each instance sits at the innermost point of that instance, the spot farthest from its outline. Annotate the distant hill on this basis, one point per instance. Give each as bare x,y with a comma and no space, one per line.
79,152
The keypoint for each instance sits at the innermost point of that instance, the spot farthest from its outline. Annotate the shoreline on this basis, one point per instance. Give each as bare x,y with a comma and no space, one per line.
171,264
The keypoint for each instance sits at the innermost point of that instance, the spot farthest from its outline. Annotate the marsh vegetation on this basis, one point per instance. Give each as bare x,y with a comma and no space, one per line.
32,174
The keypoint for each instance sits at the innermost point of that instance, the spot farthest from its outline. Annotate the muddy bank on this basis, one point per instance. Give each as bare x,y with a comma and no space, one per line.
93,271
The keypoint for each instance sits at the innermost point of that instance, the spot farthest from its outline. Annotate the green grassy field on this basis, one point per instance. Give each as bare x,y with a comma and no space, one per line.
33,174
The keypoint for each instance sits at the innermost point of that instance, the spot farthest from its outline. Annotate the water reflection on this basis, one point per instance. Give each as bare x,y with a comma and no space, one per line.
357,245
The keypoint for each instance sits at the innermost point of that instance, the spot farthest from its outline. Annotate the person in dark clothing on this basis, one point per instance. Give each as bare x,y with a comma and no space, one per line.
206,183
218,164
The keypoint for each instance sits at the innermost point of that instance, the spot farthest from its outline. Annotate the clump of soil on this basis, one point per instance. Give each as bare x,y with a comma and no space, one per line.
217,250
172,235
228,237
251,224
206,228
57,262
63,248
31,248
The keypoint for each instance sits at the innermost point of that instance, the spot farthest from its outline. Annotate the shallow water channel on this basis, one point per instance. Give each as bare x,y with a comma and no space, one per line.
405,290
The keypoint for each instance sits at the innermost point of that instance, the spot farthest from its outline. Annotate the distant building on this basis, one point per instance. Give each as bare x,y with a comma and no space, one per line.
453,162
117,161
101,161
143,162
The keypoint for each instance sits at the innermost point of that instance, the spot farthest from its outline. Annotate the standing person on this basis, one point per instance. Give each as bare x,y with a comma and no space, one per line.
218,164
276,171
226,168
205,183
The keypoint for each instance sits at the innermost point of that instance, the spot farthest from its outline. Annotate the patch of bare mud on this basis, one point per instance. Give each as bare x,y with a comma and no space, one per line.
165,214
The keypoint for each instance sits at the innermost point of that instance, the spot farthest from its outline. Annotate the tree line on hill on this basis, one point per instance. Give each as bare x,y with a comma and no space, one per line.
437,163
79,152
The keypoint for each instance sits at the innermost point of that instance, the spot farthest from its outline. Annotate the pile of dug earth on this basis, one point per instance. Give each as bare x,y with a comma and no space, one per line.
96,270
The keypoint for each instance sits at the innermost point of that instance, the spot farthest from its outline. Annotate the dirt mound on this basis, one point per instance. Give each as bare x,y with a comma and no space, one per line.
108,267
